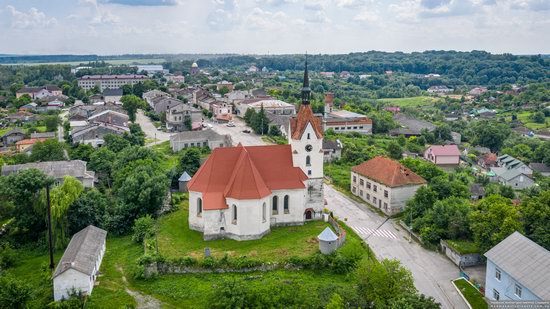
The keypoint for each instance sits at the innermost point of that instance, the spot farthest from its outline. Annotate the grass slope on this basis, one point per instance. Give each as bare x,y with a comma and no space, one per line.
175,239
410,102
472,295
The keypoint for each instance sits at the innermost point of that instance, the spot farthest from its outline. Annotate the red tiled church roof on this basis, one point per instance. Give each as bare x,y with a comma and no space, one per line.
299,123
388,172
250,172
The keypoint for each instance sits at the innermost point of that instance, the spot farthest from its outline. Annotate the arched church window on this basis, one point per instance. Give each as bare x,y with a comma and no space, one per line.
308,160
234,213
199,207
308,136
275,205
263,212
286,202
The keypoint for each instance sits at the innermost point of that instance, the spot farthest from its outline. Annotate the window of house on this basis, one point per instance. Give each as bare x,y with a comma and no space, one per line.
308,136
234,213
368,185
361,192
286,202
497,274
353,189
385,193
199,207
192,144
308,161
518,290
496,295
309,172
361,182
354,179
386,206
263,212
368,196
354,128
374,200
275,205
375,188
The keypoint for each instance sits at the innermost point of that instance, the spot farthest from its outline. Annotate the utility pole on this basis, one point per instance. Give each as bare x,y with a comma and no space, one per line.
52,264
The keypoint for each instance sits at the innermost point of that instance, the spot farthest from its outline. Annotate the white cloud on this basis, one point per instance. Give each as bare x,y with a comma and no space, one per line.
260,19
349,3
366,16
314,5
33,19
318,17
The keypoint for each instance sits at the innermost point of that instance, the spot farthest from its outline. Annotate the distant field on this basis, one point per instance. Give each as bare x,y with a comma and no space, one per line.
410,102
525,118
121,61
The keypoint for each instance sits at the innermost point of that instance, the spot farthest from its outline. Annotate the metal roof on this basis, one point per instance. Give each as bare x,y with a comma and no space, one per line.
82,252
327,235
525,261
184,177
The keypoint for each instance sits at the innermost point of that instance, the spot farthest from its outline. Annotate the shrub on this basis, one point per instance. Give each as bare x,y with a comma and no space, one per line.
7,256
143,228
14,293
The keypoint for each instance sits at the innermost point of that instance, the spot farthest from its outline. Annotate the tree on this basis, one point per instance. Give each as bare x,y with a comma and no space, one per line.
136,136
187,122
101,161
274,130
14,293
493,219
48,150
81,152
189,160
536,215
259,122
335,302
447,219
23,190
414,301
490,134
248,115
88,209
143,228
445,187
224,90
62,197
443,133
381,283
395,151
115,143
539,117
382,122
51,122
423,168
131,103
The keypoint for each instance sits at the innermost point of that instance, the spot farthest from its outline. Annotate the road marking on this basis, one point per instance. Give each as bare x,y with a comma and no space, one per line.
367,231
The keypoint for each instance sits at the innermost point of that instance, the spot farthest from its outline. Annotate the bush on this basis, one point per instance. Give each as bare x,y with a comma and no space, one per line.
143,228
7,256
14,293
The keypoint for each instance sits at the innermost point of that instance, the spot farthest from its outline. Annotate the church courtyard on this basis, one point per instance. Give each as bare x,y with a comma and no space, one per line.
176,240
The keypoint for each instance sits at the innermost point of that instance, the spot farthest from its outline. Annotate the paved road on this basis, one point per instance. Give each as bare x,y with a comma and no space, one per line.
150,130
431,271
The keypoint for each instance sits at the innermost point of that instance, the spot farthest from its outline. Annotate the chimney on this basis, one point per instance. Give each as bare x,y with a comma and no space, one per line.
329,98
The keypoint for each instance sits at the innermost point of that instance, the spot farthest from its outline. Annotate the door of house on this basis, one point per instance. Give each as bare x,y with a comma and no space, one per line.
308,215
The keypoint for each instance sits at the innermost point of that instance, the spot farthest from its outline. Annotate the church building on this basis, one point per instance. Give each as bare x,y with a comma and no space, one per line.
241,192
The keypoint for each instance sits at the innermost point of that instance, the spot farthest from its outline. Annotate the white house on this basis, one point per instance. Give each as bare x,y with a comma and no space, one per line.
385,184
517,270
443,155
241,192
78,268
202,138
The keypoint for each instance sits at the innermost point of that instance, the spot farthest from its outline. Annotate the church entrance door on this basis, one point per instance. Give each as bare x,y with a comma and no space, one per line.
309,214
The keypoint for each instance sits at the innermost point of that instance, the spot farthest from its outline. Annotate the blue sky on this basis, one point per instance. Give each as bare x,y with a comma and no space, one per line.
272,26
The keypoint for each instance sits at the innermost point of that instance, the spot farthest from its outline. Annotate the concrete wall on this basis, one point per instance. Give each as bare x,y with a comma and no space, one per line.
71,279
505,286
198,142
463,260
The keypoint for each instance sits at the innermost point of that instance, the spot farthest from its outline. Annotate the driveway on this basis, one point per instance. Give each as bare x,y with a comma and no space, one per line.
151,132
432,272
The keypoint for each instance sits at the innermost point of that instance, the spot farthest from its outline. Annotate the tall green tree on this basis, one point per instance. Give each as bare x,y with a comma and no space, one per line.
131,103
493,219
62,197
14,293
48,150
88,209
536,219
51,122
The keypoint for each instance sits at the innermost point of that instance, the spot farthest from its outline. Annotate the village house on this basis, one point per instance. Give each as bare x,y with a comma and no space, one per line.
488,160
162,104
280,121
177,116
477,91
26,144
512,172
88,82
440,90
57,170
224,84
39,92
443,155
332,150
517,269
410,126
150,95
43,135
11,137
222,111
93,133
176,79
22,116
202,138
112,95
78,268
111,117
385,184
241,192
540,168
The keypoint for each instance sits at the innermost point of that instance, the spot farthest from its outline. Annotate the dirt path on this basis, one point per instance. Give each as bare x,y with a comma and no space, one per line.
143,301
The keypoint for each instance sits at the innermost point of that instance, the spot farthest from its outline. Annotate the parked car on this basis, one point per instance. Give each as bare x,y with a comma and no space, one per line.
246,131
231,124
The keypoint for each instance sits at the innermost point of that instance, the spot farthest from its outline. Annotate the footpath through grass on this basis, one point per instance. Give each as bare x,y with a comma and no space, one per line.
176,240
472,295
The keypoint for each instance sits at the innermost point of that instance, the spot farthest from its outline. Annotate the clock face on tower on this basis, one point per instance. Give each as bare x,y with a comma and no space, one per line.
309,148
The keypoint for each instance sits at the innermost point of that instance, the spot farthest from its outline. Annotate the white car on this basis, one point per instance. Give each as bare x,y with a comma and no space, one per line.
231,124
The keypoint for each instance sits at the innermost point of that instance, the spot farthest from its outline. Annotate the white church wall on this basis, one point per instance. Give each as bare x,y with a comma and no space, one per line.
295,214
195,222
316,153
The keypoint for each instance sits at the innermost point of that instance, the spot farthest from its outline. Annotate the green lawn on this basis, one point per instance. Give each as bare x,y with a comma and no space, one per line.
169,159
175,239
472,295
410,102
463,246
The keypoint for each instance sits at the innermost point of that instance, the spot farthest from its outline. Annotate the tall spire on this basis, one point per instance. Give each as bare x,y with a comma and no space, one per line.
306,91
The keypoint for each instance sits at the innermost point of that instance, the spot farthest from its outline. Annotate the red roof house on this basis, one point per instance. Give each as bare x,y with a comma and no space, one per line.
443,155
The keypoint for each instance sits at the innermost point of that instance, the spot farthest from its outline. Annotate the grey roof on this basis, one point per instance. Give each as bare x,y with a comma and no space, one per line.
525,261
331,144
509,174
327,235
82,252
43,135
184,177
112,92
14,131
412,124
208,134
55,169
540,167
